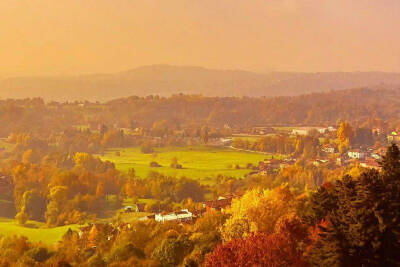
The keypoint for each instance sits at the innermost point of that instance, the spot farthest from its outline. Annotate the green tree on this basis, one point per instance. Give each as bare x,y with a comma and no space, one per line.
22,216
172,251
34,204
204,134
363,229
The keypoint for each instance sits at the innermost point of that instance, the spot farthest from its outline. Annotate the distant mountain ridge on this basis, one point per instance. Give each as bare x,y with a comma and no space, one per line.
167,80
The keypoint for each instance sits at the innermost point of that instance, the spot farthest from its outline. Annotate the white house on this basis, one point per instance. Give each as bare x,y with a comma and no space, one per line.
180,216
328,149
356,154
300,131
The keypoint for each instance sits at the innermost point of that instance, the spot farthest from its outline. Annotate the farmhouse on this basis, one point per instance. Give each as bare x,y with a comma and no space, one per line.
328,149
370,163
318,162
222,203
268,166
356,154
326,130
262,130
287,162
180,216
226,141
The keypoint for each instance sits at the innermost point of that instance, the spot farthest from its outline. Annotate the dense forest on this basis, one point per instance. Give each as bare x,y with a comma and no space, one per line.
182,111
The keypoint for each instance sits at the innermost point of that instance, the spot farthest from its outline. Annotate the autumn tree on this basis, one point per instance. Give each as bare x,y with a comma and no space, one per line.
34,204
172,251
274,250
257,211
22,217
204,134
58,198
345,134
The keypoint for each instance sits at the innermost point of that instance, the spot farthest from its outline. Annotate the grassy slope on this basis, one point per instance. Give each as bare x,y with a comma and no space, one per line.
34,231
198,161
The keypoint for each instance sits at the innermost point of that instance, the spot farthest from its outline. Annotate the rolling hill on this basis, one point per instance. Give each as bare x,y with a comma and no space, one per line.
166,80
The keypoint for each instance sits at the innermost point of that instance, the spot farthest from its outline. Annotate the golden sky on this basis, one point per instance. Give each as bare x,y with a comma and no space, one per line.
47,37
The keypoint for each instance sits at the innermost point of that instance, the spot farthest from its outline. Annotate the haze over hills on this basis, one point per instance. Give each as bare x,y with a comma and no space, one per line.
166,80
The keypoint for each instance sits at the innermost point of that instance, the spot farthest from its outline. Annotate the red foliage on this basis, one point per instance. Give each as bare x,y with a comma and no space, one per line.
328,185
314,235
257,250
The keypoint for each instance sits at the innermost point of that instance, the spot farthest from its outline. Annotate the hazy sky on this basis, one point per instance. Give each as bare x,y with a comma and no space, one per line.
86,36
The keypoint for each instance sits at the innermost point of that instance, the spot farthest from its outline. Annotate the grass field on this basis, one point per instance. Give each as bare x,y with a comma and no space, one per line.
34,231
200,162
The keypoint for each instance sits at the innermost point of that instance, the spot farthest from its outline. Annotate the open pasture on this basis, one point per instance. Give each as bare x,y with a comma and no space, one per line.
200,162
34,231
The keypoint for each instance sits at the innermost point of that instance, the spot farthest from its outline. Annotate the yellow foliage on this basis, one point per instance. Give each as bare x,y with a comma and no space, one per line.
257,211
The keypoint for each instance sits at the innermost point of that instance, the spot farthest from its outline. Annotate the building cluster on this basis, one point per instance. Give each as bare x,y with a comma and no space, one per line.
221,204
308,130
269,166
365,157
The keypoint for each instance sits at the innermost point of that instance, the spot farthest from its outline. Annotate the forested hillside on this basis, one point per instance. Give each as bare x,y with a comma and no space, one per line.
175,112
167,80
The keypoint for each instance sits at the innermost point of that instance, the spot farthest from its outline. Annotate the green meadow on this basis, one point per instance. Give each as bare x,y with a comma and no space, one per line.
34,231
199,162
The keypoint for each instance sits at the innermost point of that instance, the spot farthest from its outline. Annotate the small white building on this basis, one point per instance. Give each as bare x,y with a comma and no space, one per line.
180,216
356,154
326,130
300,131
226,141
328,149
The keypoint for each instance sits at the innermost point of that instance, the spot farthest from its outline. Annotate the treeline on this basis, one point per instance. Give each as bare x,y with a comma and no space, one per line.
282,144
163,115
309,145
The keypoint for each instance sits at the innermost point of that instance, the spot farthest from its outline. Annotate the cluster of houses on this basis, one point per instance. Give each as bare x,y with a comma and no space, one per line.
221,203
308,130
181,216
367,158
87,234
186,216
269,166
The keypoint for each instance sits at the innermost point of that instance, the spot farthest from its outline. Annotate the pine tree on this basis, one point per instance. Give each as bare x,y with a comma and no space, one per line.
364,228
